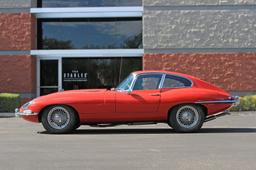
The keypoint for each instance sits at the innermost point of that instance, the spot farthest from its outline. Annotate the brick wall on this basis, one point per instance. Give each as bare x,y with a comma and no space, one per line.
231,71
16,31
17,74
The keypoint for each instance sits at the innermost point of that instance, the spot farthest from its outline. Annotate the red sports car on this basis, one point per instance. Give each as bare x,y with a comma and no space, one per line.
184,102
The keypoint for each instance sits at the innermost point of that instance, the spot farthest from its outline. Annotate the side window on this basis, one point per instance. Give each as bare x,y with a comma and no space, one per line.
176,82
147,82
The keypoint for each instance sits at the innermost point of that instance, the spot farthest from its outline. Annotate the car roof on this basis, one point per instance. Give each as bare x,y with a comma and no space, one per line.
164,72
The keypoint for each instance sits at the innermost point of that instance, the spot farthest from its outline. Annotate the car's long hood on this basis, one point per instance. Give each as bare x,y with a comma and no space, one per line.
75,94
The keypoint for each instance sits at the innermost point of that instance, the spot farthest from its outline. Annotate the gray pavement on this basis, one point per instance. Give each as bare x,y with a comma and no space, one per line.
226,143
6,115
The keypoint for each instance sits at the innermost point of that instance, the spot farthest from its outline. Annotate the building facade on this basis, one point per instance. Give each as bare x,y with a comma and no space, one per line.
54,45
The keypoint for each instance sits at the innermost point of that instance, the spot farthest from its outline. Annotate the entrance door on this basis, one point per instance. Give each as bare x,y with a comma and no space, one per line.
48,76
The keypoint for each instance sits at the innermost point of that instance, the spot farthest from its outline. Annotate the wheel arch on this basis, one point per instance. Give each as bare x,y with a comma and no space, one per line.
43,109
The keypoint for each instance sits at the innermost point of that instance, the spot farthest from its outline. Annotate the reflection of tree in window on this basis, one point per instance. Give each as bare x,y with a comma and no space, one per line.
114,33
134,42
51,43
48,73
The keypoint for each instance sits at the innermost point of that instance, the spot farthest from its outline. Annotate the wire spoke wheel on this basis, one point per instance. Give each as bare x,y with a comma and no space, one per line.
58,117
187,116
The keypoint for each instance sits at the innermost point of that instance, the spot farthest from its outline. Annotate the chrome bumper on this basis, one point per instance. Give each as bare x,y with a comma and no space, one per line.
24,113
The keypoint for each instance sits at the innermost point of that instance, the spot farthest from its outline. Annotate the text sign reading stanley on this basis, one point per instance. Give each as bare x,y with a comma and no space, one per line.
75,76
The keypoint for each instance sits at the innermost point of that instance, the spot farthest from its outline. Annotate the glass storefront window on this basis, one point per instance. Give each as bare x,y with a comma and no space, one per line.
100,33
88,3
48,76
45,91
49,72
88,73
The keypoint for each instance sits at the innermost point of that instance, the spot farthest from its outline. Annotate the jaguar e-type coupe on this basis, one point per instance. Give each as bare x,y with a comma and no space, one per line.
183,102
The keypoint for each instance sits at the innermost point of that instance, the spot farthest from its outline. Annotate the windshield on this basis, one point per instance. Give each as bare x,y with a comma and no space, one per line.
126,84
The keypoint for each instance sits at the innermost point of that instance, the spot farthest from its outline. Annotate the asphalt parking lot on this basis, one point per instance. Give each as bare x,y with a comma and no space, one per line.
226,143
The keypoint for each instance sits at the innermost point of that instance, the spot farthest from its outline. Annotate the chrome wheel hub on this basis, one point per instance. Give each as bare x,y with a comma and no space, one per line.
58,117
187,116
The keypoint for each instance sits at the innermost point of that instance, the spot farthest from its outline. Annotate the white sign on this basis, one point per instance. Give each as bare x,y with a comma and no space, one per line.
75,76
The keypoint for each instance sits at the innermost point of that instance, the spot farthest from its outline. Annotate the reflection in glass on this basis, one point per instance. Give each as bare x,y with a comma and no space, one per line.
88,73
126,84
176,82
45,91
147,82
49,73
88,3
114,33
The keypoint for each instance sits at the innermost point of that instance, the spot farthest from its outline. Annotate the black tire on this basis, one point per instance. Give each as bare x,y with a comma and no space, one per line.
77,125
59,119
186,118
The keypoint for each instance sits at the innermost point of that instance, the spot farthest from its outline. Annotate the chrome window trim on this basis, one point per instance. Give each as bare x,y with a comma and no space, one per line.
162,81
160,86
133,82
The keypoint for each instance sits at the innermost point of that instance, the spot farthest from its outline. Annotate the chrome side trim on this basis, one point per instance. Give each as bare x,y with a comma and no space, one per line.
218,102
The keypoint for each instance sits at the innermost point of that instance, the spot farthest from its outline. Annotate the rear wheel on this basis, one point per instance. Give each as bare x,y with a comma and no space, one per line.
186,118
59,119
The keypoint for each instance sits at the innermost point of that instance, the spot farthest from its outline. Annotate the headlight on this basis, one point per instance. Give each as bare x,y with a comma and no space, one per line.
26,105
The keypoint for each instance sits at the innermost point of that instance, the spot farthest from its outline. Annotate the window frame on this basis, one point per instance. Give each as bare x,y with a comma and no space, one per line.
161,83
141,74
40,35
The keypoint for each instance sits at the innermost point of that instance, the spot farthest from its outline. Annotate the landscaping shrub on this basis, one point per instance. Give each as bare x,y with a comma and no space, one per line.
247,103
9,102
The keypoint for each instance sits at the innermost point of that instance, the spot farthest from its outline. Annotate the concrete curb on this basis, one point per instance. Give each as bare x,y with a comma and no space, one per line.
7,115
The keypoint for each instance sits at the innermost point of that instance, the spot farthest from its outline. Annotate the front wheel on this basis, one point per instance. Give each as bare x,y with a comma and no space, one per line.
187,118
59,119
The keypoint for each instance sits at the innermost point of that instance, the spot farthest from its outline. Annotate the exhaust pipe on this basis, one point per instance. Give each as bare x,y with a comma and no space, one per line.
213,117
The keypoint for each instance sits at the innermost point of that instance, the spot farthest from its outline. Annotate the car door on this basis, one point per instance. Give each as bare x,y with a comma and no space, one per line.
142,102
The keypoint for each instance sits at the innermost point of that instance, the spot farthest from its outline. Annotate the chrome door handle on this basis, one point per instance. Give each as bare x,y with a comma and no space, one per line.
155,94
